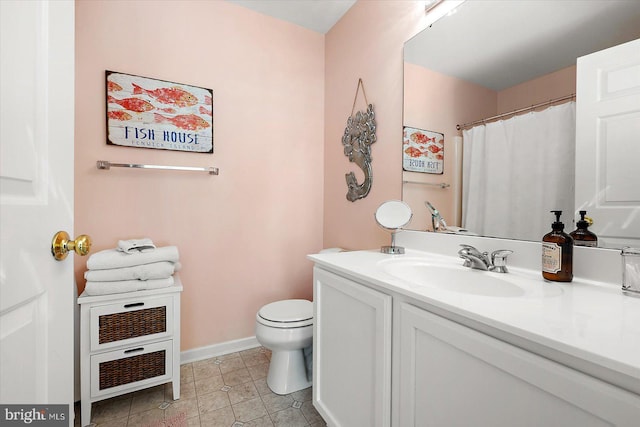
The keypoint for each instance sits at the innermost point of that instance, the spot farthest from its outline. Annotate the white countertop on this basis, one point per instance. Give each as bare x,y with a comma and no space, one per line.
589,325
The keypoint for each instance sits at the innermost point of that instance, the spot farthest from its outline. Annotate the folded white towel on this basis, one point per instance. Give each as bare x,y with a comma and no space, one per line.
113,258
155,270
135,245
103,288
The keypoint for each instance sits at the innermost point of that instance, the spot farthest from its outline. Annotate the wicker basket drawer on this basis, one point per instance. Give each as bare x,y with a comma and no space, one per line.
120,370
130,322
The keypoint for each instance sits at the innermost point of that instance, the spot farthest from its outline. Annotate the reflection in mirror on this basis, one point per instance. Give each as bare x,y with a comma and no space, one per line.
491,58
392,215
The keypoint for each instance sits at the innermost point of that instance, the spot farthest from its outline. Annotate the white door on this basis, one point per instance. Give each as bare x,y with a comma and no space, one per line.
36,200
608,143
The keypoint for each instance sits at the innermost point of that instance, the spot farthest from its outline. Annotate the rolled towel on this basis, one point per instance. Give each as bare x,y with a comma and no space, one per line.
113,258
135,245
104,288
155,270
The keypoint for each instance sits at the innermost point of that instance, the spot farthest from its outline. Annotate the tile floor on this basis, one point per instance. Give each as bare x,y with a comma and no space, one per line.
229,390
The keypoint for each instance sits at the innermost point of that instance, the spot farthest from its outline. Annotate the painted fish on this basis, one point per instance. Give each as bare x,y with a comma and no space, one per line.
186,121
119,115
113,86
132,104
171,95
208,100
168,110
434,149
420,138
204,111
413,152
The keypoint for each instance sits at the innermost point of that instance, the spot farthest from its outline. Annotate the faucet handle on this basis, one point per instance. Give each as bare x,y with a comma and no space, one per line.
499,260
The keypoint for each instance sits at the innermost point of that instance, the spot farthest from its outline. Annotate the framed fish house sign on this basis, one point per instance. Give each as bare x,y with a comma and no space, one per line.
422,151
149,113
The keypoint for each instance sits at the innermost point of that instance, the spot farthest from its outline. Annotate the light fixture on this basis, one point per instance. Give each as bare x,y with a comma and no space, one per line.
436,9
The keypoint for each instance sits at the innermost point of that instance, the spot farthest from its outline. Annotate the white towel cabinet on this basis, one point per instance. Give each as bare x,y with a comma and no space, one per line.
128,341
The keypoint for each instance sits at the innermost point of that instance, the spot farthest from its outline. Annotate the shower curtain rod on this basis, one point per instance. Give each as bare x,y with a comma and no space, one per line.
510,113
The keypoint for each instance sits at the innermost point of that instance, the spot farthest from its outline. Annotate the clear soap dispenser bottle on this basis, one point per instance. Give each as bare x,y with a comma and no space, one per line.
557,253
581,235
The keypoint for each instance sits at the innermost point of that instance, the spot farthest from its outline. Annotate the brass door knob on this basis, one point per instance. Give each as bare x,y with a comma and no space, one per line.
61,245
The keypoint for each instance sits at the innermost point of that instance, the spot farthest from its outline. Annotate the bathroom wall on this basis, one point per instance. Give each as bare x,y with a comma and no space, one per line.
242,235
544,88
366,43
452,101
437,102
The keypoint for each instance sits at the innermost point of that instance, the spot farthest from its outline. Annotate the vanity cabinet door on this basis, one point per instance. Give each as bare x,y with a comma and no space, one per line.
451,375
352,352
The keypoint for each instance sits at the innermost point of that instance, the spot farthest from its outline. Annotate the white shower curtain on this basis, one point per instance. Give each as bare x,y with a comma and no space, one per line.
515,171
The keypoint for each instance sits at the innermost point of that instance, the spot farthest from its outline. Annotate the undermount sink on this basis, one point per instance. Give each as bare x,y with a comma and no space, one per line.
421,273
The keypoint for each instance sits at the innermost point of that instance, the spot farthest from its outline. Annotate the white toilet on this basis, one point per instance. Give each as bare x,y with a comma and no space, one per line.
286,328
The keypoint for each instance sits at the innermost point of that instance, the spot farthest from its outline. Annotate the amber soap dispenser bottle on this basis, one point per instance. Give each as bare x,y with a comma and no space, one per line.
582,236
557,253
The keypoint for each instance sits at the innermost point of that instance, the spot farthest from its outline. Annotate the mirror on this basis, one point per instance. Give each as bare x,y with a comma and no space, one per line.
392,215
493,57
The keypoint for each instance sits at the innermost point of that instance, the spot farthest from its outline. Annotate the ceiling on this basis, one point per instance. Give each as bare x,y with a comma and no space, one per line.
316,15
498,44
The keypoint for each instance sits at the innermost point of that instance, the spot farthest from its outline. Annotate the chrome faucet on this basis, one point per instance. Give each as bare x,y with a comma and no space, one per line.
473,258
437,222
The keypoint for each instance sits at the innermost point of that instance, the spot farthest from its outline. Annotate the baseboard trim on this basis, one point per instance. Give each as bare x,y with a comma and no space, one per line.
219,349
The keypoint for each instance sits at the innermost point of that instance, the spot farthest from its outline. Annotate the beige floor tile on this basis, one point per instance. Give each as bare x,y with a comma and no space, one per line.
110,409
303,395
187,391
146,400
251,359
228,356
120,422
241,392
186,373
205,370
260,422
233,364
194,422
212,401
262,387
208,385
147,417
290,417
258,371
223,417
188,406
275,402
249,410
236,377
310,413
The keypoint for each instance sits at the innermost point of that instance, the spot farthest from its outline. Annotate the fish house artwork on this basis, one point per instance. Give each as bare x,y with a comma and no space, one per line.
422,151
149,113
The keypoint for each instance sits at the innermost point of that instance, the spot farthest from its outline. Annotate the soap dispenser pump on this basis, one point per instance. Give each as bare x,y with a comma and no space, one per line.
581,235
557,253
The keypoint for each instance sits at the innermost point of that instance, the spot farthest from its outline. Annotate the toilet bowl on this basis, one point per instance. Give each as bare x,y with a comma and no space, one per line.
286,328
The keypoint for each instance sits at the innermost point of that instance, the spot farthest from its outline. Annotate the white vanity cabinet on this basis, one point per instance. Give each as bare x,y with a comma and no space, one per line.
443,373
351,352
128,342
451,375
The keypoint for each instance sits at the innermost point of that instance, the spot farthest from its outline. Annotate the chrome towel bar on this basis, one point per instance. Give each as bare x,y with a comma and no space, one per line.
105,164
435,184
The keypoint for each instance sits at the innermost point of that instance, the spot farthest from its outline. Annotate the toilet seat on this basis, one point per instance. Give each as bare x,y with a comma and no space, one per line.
292,313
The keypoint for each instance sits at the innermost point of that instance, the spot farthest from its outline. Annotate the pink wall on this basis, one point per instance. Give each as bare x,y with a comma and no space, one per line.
366,43
437,102
544,88
242,235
